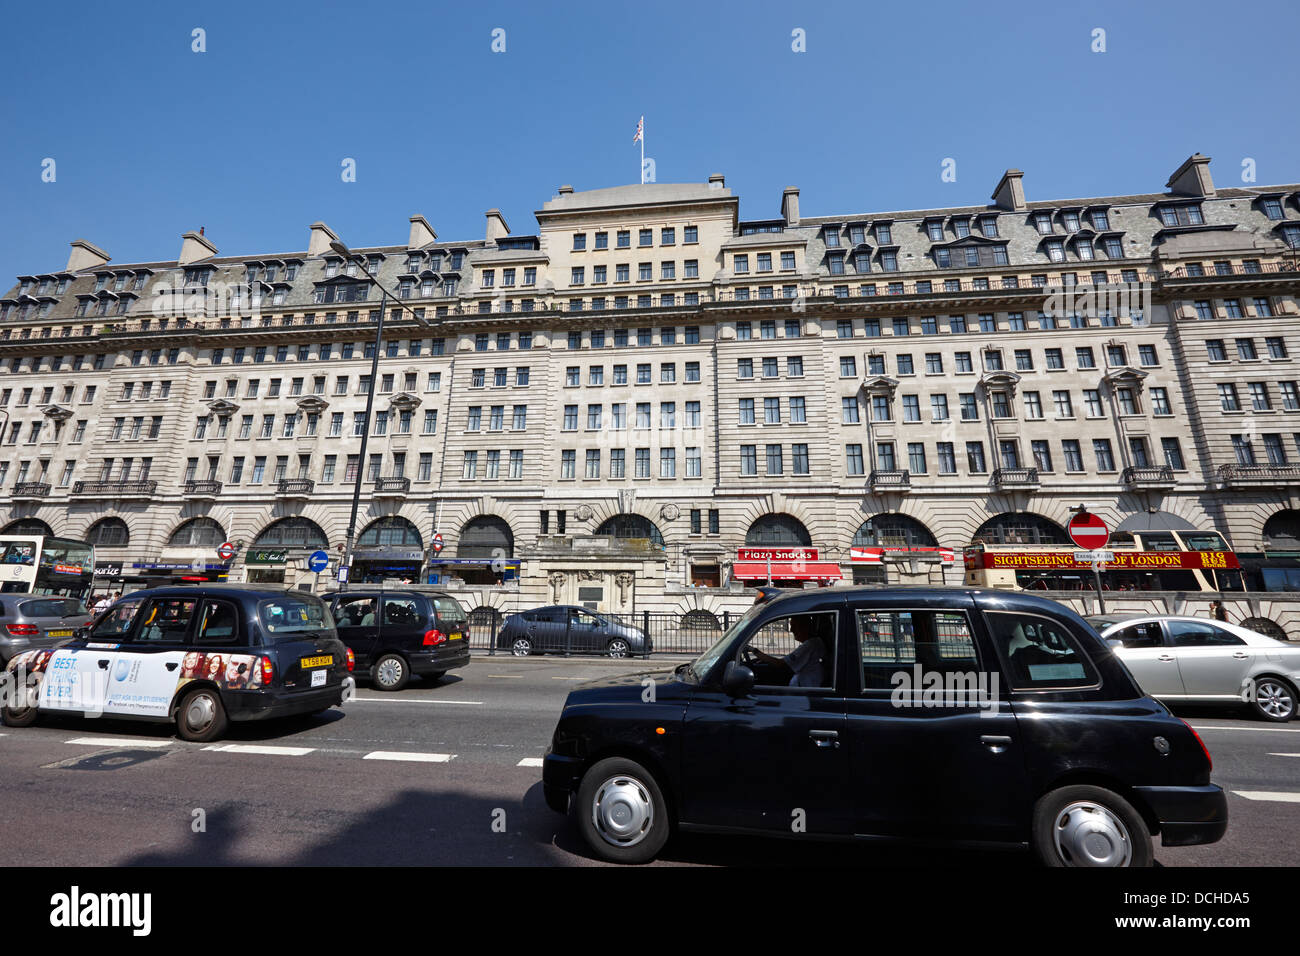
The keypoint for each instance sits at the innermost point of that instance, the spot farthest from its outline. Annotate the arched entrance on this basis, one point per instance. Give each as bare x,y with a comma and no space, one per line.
485,551
1020,527
778,531
881,549
198,533
631,527
390,548
27,526
109,533
267,559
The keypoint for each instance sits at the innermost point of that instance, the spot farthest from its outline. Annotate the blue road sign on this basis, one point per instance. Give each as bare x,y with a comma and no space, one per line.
318,561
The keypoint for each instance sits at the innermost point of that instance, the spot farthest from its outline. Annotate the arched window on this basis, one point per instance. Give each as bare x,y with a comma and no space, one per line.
485,537
391,532
198,532
893,531
778,530
1282,531
291,533
27,526
631,526
1020,528
109,533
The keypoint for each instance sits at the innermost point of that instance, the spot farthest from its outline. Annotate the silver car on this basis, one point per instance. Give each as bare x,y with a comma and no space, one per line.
1195,660
32,622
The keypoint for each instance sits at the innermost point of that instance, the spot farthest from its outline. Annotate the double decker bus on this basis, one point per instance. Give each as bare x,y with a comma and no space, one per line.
1141,561
41,564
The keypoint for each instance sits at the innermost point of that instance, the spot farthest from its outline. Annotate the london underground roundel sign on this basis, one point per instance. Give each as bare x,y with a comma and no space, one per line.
226,551
1088,531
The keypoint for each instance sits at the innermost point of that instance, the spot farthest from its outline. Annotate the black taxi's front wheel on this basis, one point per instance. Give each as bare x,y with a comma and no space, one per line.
201,716
621,811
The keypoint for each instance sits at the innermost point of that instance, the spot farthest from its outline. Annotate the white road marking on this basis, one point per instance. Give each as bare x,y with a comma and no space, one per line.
1284,755
530,762
1274,796
506,676
384,700
119,742
261,749
570,678
415,757
1259,730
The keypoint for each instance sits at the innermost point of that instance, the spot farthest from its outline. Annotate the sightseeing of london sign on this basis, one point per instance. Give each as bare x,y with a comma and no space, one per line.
1119,560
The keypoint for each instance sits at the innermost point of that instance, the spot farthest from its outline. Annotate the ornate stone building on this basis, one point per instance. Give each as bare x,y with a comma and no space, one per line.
608,409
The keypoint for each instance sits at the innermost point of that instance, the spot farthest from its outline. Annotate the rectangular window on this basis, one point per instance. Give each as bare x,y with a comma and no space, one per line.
1105,456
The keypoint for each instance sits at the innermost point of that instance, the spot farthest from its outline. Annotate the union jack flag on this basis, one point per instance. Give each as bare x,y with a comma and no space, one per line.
640,129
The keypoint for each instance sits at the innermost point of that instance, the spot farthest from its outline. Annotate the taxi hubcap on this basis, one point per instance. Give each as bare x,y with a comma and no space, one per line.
1274,699
1087,834
622,811
200,712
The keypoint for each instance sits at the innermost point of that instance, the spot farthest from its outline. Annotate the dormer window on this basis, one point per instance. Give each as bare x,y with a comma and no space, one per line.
270,274
1055,250
831,236
1043,223
857,235
63,285
1272,207
884,235
331,268
1084,248
290,272
1184,215
413,263
351,268
99,284
989,227
1070,220
934,227
961,227
1100,220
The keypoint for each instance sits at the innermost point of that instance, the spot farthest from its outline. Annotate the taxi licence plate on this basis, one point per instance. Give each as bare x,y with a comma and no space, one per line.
325,661
58,633
455,637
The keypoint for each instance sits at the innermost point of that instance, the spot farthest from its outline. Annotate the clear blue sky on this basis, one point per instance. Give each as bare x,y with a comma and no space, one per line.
151,139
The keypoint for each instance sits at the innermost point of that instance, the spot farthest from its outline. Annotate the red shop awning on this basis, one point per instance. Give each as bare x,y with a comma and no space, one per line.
787,571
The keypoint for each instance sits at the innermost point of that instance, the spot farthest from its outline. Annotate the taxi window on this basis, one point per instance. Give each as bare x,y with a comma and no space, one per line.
293,618
449,609
894,641
1040,652
218,624
355,611
116,622
400,611
796,651
166,621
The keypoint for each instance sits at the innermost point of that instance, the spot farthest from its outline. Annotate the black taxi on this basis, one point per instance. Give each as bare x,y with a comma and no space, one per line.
946,714
201,656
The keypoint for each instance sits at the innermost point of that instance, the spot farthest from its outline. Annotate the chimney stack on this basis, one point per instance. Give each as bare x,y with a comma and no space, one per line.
85,256
790,205
566,190
1010,193
195,247
496,224
1193,177
717,181
421,233
321,237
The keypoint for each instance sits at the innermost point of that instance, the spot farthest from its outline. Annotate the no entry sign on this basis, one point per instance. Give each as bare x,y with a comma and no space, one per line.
1088,531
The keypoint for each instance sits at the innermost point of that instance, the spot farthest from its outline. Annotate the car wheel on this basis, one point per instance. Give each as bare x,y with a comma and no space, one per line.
1274,699
521,647
618,648
391,673
1089,826
25,714
201,716
621,811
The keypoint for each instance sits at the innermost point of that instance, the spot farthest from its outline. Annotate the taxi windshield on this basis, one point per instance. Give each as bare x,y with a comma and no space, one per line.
291,618
704,663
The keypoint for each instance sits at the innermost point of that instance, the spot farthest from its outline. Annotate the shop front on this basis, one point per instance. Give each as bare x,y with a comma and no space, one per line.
900,565
481,571
159,573
266,565
783,567
377,565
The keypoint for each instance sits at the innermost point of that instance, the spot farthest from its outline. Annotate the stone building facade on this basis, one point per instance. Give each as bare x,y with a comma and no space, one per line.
608,409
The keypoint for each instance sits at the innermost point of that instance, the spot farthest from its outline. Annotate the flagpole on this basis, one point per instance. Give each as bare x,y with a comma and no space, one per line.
643,151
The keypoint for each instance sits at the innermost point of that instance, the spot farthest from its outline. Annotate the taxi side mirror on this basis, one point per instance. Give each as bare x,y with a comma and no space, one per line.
737,680
1114,642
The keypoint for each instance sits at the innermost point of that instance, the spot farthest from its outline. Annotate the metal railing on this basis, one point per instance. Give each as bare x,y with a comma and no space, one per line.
1284,473
668,632
890,478
1261,268
137,487
295,486
31,489
389,486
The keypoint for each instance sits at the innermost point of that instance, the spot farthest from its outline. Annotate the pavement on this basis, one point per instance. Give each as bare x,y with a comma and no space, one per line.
449,773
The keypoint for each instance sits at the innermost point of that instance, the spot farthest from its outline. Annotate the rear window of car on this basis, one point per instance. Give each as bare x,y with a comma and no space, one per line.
292,618
50,607
449,609
1040,652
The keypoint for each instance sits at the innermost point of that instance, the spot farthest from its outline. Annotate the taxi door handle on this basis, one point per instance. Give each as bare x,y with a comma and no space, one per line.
995,743
103,665
1165,658
825,738
172,665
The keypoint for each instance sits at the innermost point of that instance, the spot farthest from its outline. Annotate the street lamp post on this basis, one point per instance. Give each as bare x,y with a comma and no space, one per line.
346,253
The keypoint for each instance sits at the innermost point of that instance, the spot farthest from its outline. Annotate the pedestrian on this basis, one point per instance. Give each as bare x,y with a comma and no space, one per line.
1217,612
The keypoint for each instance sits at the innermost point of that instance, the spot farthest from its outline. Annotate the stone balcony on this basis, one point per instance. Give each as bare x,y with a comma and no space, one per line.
1010,479
890,479
294,488
30,491
392,488
204,490
1259,476
116,489
1134,477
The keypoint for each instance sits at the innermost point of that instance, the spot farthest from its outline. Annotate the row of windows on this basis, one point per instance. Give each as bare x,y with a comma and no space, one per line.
621,338
622,272
645,238
1127,400
641,463
47,395
1274,449
1009,456
402,422
1246,351
618,419
387,383
1261,399
596,374
1231,308
993,361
